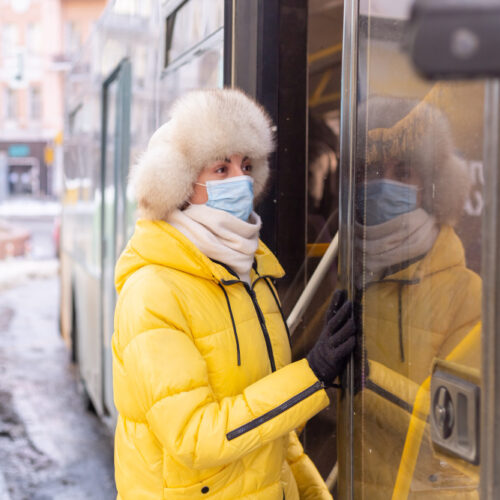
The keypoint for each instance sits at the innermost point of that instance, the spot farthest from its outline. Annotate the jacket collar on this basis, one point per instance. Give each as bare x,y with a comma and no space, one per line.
157,242
446,252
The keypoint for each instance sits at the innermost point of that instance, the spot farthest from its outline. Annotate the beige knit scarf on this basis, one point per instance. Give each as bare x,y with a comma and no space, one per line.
220,235
398,240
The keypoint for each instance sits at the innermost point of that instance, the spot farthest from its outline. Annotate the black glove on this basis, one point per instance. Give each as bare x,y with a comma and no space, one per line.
329,356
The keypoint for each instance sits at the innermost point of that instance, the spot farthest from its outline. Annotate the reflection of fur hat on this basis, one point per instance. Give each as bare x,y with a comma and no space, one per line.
205,126
422,141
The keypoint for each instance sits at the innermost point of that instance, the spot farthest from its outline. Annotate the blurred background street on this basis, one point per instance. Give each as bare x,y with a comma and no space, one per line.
52,446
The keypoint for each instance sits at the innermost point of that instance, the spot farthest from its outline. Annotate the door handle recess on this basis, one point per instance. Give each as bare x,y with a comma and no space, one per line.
455,416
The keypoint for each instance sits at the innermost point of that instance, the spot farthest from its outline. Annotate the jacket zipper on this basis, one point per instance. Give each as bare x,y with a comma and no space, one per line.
238,354
280,310
275,411
258,310
262,325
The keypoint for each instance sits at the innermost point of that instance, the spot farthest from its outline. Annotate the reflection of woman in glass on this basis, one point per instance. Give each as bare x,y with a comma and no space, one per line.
208,399
419,300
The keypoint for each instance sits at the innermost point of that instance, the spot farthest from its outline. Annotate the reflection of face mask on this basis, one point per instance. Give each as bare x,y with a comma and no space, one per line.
233,195
381,200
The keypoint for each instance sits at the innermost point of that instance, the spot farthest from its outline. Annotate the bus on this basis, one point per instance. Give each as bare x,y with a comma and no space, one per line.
415,411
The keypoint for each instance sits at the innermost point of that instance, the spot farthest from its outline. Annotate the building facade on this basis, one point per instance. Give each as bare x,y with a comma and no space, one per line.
39,40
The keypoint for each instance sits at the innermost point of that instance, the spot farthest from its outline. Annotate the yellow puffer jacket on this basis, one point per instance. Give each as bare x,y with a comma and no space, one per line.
410,318
207,397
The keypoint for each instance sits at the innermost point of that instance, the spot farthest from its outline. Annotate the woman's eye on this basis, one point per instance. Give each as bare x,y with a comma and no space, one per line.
403,171
221,170
247,168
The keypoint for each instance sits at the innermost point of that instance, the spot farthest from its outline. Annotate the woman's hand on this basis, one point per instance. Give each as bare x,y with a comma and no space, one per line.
330,354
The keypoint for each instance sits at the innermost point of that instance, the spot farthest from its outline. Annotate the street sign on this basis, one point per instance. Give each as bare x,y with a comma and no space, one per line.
18,150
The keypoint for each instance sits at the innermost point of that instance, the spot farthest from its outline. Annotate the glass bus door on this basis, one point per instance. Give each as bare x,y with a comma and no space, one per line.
413,175
115,162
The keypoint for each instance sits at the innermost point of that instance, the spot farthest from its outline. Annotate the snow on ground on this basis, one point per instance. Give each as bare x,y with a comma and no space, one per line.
51,447
16,271
25,207
4,494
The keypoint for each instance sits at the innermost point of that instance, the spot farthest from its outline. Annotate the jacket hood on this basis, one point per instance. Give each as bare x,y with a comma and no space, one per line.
159,243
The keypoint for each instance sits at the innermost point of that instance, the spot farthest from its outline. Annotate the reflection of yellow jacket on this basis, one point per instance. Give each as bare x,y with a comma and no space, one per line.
411,317
206,404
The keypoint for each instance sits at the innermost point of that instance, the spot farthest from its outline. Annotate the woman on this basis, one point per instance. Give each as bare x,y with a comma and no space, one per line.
207,397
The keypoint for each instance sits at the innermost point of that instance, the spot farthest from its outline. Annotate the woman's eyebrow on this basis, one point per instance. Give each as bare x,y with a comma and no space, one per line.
227,160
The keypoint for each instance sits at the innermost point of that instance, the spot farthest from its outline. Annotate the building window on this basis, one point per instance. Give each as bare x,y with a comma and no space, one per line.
10,39
20,6
35,103
72,37
10,104
33,37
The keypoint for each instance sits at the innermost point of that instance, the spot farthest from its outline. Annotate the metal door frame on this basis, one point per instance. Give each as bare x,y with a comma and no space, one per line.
265,54
490,392
348,109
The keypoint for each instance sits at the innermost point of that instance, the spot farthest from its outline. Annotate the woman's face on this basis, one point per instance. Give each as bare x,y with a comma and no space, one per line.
233,166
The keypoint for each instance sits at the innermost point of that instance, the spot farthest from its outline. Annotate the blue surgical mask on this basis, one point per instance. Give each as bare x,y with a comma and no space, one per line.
381,200
233,195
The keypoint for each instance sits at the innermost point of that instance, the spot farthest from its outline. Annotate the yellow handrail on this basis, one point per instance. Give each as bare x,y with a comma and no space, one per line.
417,424
323,53
317,249
325,78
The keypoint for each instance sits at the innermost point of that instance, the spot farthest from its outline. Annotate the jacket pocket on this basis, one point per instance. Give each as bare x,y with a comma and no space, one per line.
210,487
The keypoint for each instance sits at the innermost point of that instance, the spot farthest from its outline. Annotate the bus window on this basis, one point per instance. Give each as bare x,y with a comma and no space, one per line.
193,51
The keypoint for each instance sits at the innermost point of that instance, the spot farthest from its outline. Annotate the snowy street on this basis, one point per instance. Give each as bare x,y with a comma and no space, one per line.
52,447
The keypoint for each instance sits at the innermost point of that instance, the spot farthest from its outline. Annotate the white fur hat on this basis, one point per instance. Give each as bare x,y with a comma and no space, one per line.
205,126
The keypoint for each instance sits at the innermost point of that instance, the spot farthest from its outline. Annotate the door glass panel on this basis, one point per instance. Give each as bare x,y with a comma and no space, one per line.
110,197
116,207
417,270
324,75
109,189
122,159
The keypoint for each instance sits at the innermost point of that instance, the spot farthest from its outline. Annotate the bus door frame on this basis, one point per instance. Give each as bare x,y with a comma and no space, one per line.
265,54
348,122
490,390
